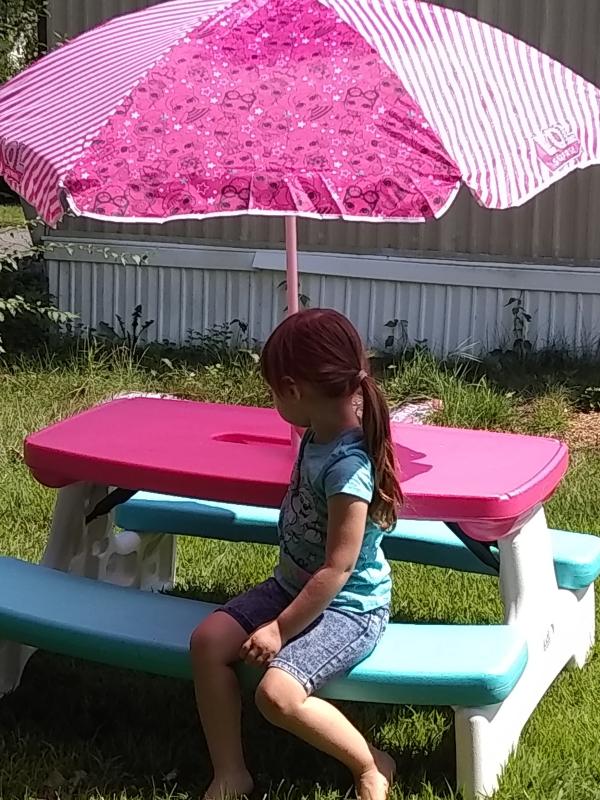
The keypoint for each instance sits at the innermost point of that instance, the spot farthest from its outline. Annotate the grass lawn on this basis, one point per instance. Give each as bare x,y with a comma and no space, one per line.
11,216
75,730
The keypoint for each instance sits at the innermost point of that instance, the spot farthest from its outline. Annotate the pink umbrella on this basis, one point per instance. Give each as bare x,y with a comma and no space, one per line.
354,109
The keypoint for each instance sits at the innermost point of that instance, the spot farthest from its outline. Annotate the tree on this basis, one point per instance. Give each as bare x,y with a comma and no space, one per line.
26,310
22,297
19,34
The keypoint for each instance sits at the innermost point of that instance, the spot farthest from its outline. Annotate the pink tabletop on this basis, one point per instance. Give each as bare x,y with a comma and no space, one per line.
486,481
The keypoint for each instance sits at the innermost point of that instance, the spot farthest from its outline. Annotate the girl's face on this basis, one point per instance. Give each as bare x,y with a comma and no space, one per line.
291,405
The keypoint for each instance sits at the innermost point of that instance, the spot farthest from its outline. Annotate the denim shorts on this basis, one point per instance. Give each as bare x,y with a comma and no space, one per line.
335,642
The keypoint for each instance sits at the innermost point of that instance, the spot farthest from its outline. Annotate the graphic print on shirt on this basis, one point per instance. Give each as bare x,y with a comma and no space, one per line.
301,528
287,108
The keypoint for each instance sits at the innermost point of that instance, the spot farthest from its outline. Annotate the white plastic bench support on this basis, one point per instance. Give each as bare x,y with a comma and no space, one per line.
94,551
559,626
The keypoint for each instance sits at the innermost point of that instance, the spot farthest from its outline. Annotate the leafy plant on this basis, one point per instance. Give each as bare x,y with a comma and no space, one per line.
130,337
19,34
512,357
398,341
303,299
395,325
521,319
221,341
106,252
589,400
26,310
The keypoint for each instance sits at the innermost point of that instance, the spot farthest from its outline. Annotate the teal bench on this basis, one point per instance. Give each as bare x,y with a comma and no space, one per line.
484,672
456,665
576,555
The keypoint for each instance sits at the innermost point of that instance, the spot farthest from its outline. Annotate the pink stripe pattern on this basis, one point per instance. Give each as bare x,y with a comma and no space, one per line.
512,119
52,110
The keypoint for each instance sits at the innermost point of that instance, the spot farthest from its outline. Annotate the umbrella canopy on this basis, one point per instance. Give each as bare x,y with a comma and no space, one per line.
353,109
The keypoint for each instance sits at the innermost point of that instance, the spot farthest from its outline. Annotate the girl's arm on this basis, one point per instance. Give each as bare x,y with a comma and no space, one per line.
347,520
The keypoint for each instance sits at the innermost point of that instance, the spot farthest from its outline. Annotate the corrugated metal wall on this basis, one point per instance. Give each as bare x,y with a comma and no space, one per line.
560,224
470,315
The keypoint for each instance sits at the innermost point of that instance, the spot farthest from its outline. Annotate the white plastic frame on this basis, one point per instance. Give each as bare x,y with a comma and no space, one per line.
94,551
559,627
558,624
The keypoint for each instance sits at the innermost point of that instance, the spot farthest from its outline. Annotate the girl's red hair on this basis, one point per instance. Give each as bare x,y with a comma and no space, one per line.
321,347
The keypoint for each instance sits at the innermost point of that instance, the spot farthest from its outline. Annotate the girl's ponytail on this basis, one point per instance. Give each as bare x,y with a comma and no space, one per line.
322,348
378,439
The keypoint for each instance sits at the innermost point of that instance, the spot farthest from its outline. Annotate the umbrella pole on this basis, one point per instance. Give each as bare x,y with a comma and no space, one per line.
291,250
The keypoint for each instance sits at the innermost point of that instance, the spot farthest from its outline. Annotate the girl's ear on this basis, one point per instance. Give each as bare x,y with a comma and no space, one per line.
289,389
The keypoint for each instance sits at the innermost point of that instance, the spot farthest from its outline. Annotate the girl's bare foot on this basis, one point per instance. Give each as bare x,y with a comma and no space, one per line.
385,763
228,787
374,783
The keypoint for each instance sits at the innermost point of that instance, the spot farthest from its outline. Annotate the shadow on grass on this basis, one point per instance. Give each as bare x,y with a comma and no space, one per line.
75,730
534,373
419,373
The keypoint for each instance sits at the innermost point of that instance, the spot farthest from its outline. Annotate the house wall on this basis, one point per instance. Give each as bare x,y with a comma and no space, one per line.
457,306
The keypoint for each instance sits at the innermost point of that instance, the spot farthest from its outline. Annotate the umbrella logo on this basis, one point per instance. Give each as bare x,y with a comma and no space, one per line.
557,145
12,159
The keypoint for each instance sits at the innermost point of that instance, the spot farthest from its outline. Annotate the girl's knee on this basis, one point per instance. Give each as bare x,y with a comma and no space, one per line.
202,645
278,696
217,639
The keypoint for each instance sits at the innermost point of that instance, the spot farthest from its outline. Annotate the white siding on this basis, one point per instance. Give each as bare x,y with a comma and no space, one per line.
455,306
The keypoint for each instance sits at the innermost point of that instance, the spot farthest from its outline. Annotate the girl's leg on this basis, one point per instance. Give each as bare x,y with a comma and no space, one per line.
283,701
215,646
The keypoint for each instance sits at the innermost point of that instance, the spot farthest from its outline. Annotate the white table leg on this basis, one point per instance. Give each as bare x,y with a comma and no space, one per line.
585,635
94,551
558,626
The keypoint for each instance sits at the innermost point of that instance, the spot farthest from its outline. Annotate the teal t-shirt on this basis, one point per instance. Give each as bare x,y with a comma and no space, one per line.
322,471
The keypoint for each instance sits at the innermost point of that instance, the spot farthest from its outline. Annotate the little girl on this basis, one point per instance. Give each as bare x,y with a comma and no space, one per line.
327,605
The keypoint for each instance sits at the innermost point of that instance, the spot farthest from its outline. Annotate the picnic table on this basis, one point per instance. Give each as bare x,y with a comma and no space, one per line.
491,486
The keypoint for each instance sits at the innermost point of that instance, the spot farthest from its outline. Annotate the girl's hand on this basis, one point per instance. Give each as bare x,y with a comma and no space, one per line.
347,521
264,644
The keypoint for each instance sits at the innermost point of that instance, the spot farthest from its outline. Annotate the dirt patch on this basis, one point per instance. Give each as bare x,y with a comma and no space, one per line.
584,431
